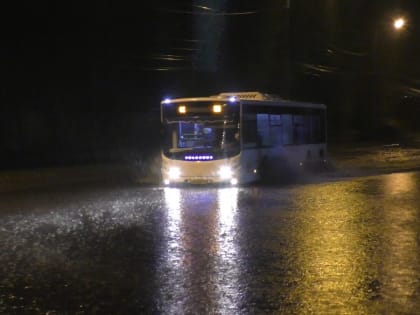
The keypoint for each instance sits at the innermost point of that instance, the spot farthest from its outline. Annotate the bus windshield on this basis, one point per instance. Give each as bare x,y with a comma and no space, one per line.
205,127
219,137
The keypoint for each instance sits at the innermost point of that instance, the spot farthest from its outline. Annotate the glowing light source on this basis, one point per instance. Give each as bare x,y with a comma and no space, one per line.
399,23
232,99
174,173
166,101
182,109
217,108
225,172
198,157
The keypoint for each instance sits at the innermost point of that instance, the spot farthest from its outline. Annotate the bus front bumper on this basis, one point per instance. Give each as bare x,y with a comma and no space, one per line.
200,181
174,177
197,174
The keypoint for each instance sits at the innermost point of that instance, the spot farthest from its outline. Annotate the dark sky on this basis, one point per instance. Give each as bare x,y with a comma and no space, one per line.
64,65
55,49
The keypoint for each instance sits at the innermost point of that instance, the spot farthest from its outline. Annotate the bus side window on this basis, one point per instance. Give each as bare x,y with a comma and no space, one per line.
276,131
263,128
301,131
249,131
317,129
287,134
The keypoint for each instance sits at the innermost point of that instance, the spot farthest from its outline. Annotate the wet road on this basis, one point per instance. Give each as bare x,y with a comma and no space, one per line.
343,246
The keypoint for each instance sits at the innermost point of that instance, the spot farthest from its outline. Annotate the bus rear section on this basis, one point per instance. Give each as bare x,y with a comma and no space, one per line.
282,139
201,142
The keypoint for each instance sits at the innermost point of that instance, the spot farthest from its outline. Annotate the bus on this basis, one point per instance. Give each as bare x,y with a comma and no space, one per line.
239,138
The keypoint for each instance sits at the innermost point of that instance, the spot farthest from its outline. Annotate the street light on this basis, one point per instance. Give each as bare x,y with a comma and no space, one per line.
399,23
383,57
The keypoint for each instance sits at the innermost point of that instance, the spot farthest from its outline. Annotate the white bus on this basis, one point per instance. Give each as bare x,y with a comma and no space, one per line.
239,138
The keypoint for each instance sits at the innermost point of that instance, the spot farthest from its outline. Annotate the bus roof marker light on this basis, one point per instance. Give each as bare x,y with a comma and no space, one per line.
232,99
182,109
167,101
217,108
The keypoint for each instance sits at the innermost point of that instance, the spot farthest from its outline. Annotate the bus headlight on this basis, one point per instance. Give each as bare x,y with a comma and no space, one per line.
225,172
174,173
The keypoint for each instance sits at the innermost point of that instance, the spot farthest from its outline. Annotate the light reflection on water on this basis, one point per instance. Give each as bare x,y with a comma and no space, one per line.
401,279
331,258
347,247
173,203
200,261
358,246
228,270
172,267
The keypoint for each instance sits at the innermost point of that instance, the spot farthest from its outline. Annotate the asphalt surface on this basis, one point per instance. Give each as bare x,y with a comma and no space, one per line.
342,242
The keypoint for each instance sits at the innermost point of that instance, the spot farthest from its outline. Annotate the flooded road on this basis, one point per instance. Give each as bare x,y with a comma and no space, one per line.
342,246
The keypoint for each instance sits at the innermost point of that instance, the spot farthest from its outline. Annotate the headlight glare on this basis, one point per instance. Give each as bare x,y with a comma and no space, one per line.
174,173
225,172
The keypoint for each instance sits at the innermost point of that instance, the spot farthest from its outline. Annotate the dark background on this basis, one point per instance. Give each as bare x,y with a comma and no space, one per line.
81,82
